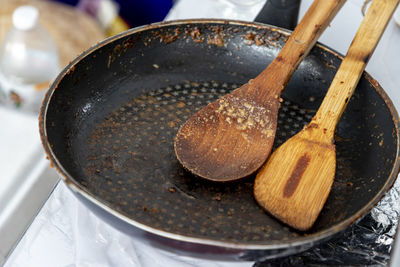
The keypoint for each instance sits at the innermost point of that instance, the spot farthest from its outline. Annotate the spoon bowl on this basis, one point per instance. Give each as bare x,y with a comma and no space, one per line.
232,137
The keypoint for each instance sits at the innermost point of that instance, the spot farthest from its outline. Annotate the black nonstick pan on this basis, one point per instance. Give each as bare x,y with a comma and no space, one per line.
108,122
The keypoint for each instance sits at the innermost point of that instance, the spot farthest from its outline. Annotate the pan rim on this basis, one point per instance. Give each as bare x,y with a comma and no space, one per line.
319,236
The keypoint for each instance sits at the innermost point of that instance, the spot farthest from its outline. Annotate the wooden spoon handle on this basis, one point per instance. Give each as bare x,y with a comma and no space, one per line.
275,77
358,55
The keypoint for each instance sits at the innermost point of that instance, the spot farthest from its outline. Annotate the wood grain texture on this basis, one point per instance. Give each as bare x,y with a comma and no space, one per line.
295,182
72,30
232,137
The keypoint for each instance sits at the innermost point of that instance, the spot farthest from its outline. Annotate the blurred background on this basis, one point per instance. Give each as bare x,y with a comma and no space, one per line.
116,15
85,21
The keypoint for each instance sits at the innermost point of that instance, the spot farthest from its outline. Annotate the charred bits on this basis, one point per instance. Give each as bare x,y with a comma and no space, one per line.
195,34
217,38
252,38
71,70
260,39
128,44
168,37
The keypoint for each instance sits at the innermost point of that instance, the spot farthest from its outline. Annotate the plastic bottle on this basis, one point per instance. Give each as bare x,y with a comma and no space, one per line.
28,61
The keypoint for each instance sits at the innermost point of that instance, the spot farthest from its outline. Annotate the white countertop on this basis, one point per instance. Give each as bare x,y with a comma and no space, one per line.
66,233
25,177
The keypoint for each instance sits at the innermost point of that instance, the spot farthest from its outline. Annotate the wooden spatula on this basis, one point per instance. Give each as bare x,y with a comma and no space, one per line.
232,137
296,180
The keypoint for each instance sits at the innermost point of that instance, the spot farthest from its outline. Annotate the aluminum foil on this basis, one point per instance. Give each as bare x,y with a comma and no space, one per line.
367,243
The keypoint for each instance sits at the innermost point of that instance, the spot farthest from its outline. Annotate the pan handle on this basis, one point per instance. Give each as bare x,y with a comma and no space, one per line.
281,13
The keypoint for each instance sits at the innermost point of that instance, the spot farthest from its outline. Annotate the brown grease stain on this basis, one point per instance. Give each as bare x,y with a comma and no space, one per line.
295,177
279,59
312,125
316,28
366,58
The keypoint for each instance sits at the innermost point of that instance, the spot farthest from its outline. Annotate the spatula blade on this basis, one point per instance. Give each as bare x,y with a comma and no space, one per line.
296,180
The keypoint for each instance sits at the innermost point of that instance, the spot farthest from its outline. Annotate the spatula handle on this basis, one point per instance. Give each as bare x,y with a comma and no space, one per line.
352,67
277,74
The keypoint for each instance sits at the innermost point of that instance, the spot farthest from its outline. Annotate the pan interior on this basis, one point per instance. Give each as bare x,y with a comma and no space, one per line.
112,121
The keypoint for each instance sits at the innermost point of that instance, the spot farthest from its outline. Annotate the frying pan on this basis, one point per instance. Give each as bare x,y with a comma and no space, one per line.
108,122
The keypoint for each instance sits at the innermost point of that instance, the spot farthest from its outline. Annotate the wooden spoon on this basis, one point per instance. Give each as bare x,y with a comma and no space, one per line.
231,138
295,182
